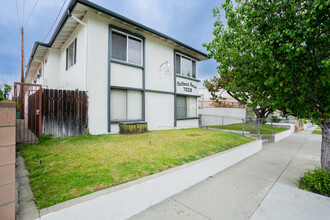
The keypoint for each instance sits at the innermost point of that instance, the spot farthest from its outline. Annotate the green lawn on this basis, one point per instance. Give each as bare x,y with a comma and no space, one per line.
264,129
76,166
317,131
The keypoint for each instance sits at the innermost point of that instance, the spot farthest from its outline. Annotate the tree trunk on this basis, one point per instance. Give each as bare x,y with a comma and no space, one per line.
325,145
261,113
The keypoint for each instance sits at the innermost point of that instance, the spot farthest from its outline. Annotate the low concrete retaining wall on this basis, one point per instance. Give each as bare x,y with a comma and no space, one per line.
284,125
128,199
276,137
7,160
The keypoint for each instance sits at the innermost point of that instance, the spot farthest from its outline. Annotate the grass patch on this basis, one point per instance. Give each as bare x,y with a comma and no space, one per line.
317,131
316,181
264,129
65,168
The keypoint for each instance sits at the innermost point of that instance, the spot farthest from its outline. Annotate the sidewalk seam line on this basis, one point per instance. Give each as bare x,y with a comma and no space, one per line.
278,178
191,208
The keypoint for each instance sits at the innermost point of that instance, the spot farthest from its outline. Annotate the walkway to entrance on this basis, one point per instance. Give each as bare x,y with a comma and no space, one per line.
259,187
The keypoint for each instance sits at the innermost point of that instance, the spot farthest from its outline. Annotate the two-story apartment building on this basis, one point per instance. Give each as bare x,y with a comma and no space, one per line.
131,72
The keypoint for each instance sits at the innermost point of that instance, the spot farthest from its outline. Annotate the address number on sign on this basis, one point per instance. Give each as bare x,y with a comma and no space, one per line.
186,89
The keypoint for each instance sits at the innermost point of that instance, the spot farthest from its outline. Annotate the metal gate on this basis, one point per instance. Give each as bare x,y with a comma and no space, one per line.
28,112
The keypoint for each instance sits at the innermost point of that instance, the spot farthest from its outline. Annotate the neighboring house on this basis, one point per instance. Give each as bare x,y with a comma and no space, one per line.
131,72
228,111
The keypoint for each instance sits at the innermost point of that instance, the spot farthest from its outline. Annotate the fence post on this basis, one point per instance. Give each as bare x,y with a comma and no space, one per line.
243,126
258,128
271,126
222,122
249,120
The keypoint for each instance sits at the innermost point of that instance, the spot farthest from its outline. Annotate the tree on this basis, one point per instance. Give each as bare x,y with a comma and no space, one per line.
218,83
280,49
4,91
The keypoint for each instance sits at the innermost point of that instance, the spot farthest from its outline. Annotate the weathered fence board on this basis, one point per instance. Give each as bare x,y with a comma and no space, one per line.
64,112
33,112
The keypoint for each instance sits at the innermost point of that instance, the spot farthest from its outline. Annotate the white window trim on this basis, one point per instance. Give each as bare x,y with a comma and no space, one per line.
189,58
132,36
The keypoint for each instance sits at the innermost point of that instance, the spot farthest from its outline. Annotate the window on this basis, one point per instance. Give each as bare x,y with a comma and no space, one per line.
125,105
126,48
71,53
186,106
185,66
40,73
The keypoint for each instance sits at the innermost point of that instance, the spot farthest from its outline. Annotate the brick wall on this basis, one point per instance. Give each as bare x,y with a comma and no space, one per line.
7,160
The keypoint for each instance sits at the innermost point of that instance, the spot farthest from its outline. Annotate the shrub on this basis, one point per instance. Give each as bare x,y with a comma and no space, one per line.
316,180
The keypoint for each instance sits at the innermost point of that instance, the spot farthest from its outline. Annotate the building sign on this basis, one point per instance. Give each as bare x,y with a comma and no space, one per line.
186,86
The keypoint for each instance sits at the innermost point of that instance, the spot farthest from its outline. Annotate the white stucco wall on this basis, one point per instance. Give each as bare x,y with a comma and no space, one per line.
191,123
127,76
157,76
75,76
97,75
51,69
159,111
214,116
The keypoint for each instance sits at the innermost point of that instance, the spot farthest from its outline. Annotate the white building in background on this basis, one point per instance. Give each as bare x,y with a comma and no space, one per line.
131,72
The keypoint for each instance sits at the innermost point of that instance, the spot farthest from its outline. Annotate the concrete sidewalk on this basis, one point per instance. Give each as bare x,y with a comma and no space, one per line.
259,187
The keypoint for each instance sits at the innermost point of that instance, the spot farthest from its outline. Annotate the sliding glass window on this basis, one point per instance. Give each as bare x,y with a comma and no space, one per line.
186,106
185,66
126,105
126,48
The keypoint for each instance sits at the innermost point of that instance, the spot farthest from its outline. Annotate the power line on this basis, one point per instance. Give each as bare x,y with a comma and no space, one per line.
23,11
55,20
19,20
35,4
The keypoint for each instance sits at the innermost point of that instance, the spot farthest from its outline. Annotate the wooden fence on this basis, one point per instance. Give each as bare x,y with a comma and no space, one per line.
33,116
64,112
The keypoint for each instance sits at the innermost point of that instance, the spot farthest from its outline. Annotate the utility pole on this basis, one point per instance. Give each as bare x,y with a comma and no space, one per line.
22,75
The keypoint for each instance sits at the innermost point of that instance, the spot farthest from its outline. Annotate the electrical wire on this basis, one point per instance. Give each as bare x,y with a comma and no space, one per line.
55,20
35,4
23,11
19,20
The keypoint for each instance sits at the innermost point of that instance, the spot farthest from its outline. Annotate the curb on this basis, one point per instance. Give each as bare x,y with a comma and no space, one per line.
129,199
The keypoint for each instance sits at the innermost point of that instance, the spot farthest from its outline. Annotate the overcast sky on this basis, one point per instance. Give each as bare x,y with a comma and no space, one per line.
189,21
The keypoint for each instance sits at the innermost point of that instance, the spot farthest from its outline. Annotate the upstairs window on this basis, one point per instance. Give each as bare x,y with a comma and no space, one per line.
185,66
126,48
71,54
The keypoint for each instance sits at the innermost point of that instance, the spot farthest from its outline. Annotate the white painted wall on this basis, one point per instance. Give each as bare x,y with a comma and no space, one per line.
159,111
213,116
75,76
191,123
158,52
128,76
52,68
97,75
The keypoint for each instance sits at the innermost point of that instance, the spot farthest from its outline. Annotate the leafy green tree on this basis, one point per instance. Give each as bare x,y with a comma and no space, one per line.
220,83
5,91
279,52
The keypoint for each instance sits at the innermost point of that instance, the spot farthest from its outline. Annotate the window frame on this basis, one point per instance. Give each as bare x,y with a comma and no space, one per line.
191,59
74,54
128,35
